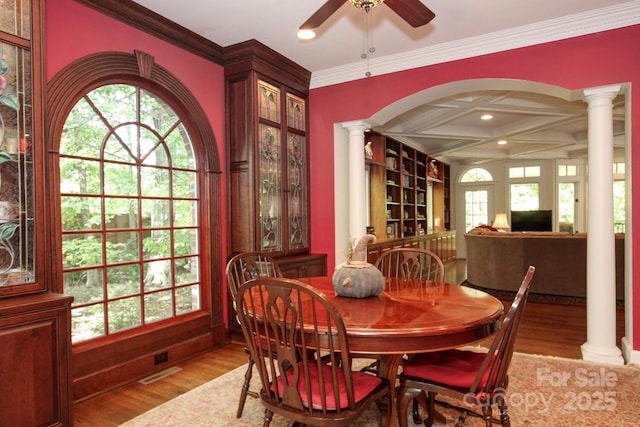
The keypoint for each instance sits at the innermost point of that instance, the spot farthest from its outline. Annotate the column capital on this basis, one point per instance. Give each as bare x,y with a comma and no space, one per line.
356,125
601,92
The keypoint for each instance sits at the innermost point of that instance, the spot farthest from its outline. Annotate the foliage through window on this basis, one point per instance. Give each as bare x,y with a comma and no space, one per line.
619,201
525,196
524,192
476,208
619,206
567,206
129,204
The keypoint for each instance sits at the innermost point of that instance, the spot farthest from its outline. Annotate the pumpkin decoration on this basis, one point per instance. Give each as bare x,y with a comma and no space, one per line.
356,278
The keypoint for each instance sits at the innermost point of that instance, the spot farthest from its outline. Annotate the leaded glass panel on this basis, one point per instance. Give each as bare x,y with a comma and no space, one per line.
270,189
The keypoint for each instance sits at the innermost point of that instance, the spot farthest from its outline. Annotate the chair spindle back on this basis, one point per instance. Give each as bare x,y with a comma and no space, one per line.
411,263
249,265
309,356
498,358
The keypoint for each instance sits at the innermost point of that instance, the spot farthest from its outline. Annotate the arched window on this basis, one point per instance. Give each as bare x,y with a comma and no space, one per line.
476,175
134,191
129,201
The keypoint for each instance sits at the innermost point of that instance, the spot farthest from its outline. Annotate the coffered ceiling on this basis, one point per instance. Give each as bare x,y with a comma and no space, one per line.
530,126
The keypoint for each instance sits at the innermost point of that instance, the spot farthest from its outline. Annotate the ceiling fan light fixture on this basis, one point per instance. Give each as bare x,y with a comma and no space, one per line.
367,5
306,34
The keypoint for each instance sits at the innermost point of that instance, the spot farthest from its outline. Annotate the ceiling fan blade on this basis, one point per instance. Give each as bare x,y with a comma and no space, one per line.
321,15
412,11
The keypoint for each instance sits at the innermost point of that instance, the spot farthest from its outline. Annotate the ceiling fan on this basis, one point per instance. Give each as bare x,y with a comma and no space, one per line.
413,11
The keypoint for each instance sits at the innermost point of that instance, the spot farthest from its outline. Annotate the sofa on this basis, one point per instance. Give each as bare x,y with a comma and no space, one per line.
498,261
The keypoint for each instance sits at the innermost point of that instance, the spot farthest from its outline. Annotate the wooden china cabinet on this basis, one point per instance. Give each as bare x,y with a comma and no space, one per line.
267,128
34,322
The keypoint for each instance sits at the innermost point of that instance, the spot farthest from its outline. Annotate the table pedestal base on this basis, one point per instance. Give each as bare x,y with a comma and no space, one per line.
388,368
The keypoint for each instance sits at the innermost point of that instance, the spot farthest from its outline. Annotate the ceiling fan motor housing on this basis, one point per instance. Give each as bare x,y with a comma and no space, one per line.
367,5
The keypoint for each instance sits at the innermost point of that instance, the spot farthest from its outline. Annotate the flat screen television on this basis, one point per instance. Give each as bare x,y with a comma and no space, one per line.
531,220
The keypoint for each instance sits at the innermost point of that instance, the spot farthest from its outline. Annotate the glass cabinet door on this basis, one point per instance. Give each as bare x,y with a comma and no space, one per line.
297,180
269,168
297,191
270,174
282,170
17,228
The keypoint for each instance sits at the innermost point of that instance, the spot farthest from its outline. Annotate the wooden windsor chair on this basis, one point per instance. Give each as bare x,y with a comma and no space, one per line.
408,263
240,269
467,375
307,375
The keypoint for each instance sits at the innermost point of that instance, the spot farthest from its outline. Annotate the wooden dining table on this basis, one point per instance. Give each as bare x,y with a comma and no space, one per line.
412,316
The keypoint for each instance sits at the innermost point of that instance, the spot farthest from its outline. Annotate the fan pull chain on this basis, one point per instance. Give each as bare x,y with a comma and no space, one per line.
367,42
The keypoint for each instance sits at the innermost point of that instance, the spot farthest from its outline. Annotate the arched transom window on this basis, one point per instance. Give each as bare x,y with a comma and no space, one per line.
129,212
476,175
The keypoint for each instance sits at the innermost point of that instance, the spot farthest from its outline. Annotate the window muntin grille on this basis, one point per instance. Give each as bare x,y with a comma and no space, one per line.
129,204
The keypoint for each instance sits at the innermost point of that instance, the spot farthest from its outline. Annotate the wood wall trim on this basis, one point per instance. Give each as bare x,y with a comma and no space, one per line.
145,63
96,69
255,56
117,375
140,17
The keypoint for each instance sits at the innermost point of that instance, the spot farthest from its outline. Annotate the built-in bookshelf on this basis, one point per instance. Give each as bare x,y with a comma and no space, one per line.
436,178
409,193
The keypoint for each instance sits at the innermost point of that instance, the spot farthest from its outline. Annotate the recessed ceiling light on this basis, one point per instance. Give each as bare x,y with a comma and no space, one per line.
486,117
502,142
306,34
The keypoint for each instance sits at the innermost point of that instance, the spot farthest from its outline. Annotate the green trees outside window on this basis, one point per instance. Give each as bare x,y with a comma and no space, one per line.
129,212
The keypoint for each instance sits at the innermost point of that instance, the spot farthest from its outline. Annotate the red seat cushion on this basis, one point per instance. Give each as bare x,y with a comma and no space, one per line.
363,385
456,368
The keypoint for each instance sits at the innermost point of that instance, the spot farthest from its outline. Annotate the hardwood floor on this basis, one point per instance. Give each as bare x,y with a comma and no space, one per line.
547,328
117,406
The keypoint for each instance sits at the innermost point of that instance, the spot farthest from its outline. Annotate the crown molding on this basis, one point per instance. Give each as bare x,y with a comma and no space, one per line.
140,17
595,21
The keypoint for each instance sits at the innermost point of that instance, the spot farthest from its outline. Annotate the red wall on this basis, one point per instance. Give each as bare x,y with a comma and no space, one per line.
602,59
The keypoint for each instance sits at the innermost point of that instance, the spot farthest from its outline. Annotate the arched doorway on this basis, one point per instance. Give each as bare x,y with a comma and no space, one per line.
433,103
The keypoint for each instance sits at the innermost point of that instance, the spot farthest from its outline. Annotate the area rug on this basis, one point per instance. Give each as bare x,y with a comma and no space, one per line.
543,391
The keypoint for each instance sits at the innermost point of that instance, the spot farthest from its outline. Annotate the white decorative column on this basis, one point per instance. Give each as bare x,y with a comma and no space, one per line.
601,266
357,188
